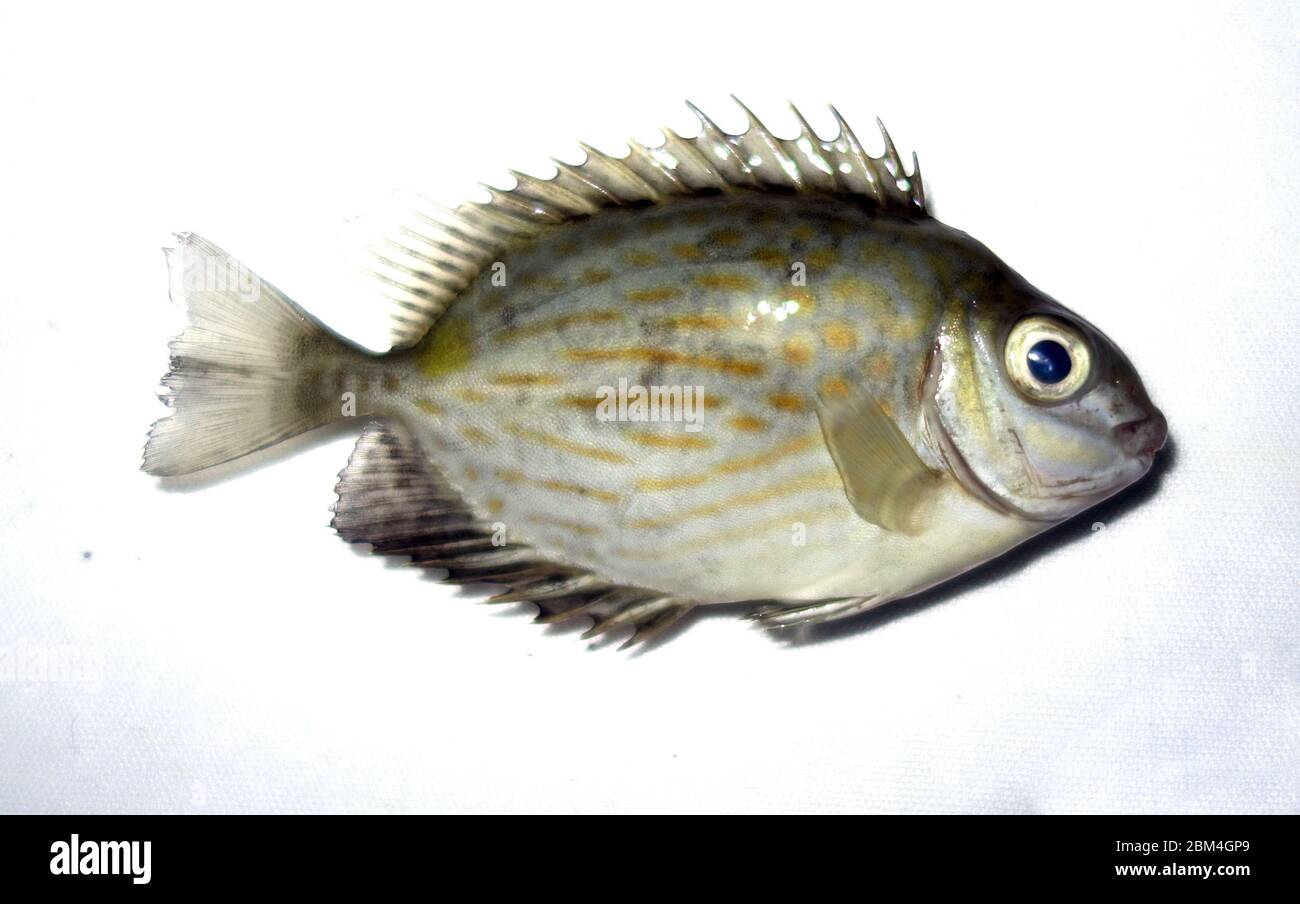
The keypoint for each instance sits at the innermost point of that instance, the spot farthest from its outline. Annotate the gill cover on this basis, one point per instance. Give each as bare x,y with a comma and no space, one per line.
1032,408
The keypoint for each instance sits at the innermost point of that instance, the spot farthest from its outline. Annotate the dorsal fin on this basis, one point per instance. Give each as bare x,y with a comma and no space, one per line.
392,496
425,254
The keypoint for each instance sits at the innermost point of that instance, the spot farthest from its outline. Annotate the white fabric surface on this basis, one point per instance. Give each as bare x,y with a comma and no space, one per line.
1138,162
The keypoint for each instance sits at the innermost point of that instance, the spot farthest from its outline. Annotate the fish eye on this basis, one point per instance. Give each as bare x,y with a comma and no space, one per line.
1047,359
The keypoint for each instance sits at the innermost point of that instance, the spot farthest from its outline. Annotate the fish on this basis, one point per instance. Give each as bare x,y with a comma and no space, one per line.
728,369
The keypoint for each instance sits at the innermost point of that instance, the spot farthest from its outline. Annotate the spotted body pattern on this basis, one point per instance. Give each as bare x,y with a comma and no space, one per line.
699,293
850,438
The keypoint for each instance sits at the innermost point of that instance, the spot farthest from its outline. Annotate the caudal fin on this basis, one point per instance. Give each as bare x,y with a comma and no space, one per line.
249,371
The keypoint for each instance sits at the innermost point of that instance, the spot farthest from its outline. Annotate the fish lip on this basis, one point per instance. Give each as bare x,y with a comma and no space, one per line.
1143,437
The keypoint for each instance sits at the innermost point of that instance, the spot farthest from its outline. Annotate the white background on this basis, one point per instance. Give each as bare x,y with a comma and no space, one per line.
1136,161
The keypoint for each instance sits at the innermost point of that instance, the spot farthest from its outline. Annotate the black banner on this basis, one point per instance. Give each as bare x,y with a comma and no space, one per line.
208,853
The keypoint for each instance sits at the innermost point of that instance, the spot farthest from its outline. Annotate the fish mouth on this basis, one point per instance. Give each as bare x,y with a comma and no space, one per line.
1144,437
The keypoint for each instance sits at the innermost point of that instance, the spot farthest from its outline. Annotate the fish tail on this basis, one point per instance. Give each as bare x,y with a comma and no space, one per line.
250,370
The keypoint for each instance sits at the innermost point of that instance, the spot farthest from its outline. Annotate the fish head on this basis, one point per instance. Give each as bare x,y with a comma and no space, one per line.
1032,408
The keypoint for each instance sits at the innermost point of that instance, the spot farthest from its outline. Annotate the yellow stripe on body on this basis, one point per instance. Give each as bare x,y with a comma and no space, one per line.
653,295
685,322
787,401
525,379
732,281
799,349
754,529
725,236
641,258
557,323
835,387
589,402
840,336
770,255
821,478
568,445
577,527
559,486
732,465
746,423
666,356
669,440
477,436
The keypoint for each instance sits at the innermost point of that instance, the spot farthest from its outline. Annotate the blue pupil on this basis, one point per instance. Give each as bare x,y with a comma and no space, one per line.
1049,362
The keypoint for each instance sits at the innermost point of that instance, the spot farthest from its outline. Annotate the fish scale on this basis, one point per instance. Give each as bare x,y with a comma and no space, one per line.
696,246
877,402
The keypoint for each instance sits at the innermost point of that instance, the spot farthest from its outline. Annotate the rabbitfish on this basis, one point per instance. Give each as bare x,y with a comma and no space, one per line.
728,369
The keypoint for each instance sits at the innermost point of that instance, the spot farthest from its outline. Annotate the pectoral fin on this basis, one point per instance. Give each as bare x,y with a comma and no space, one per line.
886,481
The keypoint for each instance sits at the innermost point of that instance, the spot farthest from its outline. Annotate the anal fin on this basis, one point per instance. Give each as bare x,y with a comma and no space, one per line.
792,615
393,496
